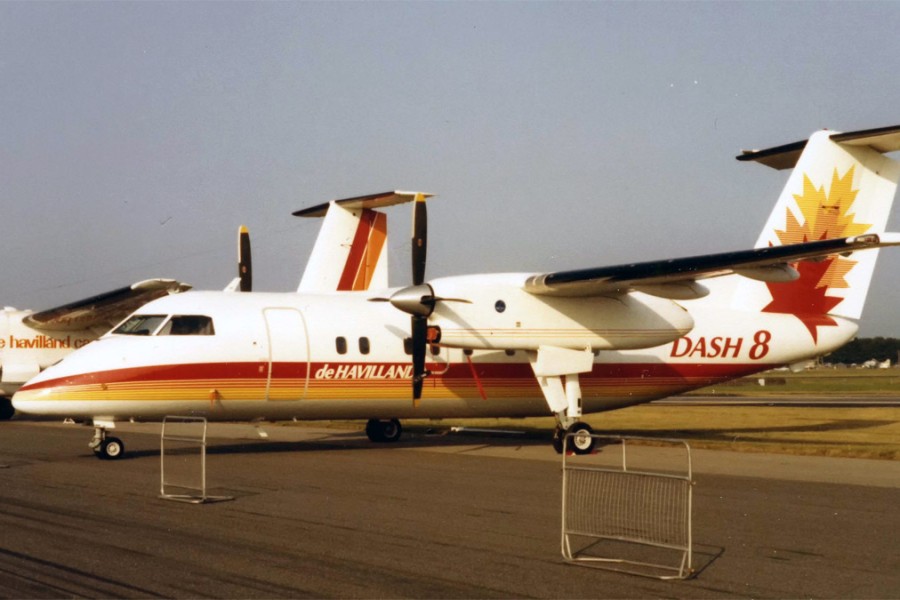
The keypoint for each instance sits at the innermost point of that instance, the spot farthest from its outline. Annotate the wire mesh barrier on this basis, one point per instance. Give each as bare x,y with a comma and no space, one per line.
182,461
623,512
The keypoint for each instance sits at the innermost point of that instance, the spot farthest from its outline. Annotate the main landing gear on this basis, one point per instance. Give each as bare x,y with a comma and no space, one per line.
383,430
557,371
106,446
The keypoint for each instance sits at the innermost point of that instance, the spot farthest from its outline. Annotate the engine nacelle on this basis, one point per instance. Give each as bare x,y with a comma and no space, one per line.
502,316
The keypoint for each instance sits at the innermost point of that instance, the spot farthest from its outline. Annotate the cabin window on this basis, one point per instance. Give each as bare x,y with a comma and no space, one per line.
435,350
188,325
341,345
140,325
407,346
364,346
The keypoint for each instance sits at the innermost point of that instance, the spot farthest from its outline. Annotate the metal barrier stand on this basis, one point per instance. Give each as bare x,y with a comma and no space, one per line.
629,520
190,432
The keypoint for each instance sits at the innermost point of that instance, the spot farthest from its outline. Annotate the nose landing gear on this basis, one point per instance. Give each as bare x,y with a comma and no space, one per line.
106,446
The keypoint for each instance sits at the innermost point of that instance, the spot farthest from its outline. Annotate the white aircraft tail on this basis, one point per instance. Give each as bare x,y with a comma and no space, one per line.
842,185
350,253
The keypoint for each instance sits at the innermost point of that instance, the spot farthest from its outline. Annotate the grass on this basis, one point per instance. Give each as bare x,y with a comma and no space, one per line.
824,382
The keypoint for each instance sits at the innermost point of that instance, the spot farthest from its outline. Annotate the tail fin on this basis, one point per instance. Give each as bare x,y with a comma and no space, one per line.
350,252
842,185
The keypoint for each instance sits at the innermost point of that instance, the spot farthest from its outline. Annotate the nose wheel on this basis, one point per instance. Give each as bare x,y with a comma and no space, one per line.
105,446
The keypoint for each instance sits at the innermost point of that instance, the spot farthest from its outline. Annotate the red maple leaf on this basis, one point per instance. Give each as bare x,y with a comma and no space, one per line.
805,298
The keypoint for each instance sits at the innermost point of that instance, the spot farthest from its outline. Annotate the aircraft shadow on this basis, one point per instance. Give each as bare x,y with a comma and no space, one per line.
428,437
351,441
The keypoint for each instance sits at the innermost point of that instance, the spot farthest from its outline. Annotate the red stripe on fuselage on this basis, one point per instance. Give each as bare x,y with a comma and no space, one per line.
621,374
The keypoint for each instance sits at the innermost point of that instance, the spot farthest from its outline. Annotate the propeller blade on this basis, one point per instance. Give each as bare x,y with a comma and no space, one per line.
245,271
419,240
419,327
436,299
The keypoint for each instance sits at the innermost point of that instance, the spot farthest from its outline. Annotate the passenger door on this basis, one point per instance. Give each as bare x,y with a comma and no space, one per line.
288,373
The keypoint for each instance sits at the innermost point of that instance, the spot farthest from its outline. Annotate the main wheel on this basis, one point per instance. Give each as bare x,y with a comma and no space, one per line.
382,431
581,441
111,448
391,430
558,435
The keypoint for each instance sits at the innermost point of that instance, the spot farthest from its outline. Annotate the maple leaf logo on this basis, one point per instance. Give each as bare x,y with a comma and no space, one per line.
825,216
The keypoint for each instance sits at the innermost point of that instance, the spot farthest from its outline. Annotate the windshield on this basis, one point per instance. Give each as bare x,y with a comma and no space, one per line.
188,325
177,325
140,325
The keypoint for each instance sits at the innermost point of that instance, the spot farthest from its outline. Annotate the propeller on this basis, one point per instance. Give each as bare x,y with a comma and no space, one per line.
418,300
245,270
419,322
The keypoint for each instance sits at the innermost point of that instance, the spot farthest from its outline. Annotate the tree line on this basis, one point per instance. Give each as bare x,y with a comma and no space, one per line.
862,349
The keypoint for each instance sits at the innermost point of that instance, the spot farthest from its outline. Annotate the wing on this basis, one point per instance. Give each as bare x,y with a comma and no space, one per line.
104,309
677,278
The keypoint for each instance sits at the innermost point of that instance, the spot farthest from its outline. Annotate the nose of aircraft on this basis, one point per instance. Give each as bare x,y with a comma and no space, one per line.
59,389
32,398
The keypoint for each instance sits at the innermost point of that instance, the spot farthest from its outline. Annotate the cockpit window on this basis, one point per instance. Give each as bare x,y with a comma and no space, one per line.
188,325
140,325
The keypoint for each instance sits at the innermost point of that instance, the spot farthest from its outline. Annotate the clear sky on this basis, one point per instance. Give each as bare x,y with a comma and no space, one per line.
137,136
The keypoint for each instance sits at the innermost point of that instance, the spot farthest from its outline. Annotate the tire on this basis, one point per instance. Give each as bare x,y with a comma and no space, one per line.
382,431
581,441
373,431
112,448
391,431
558,440
6,409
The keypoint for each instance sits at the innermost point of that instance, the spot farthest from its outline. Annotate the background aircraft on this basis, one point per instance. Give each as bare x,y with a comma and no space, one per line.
32,341
515,344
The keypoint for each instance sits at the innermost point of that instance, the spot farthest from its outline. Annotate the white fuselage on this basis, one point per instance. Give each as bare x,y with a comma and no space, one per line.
341,356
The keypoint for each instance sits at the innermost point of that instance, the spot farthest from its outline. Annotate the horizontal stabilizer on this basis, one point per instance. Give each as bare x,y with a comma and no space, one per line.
104,309
882,139
644,276
371,201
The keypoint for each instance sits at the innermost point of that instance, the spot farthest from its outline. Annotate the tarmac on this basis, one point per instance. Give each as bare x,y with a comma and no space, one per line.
325,513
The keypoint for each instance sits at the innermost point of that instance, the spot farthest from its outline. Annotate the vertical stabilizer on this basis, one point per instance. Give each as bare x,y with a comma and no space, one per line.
841,186
349,254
